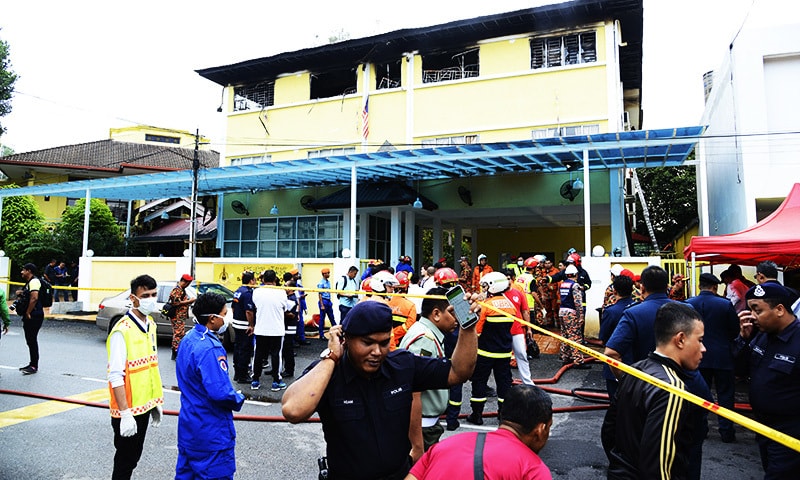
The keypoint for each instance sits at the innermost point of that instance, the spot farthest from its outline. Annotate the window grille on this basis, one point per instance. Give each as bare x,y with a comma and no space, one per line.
572,49
568,131
254,97
284,237
330,152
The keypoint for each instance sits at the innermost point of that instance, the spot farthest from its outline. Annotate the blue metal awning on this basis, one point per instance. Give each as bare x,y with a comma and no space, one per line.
636,149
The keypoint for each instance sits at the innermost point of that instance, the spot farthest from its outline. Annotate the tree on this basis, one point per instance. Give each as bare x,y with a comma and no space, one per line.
7,80
22,223
105,235
671,195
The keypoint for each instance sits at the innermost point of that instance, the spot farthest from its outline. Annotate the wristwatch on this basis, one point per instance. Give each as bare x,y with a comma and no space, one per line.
328,353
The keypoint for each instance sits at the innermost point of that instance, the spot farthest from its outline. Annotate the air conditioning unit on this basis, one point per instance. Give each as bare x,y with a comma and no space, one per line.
626,121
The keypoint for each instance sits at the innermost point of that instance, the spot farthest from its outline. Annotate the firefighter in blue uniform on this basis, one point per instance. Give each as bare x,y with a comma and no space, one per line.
206,435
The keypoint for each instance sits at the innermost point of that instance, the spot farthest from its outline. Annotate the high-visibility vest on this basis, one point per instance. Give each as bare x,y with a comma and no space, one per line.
404,314
143,389
528,282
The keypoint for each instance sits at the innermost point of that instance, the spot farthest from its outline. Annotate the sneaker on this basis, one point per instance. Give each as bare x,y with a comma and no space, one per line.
278,386
26,366
29,370
255,385
475,419
453,425
287,374
243,380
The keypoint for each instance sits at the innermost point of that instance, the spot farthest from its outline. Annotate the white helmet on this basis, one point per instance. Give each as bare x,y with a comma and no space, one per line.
379,281
616,269
540,258
495,282
571,270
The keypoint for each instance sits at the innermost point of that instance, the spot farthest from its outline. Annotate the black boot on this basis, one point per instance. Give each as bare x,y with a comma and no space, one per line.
476,417
452,417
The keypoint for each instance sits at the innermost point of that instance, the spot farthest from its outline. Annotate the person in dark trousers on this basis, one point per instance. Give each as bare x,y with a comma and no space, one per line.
244,319
769,340
633,340
363,393
289,333
722,326
648,430
623,289
134,380
32,313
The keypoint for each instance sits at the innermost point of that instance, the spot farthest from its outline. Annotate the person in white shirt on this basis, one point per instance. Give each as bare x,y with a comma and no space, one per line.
271,305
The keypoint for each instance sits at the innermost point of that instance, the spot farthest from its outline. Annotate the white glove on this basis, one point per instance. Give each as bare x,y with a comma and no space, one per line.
127,424
155,415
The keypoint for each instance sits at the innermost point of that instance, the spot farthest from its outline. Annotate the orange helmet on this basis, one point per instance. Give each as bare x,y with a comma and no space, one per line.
365,286
531,262
445,276
574,258
402,277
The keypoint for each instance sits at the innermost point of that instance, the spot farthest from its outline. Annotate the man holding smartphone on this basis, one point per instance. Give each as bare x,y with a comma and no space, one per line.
363,393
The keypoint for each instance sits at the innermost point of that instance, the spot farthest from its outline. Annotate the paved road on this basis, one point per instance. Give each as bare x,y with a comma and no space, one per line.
76,444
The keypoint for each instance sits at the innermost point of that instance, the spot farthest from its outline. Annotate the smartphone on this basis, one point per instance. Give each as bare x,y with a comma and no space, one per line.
465,317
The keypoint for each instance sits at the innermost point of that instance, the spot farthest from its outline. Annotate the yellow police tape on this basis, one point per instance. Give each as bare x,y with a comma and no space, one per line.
748,423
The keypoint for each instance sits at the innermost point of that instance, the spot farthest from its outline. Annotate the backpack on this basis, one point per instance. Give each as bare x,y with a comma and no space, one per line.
45,293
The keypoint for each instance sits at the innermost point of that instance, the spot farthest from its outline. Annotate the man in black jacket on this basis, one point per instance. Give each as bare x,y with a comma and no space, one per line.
652,436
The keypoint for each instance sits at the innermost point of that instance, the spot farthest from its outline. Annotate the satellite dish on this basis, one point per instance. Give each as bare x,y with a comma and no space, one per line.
569,191
306,202
239,208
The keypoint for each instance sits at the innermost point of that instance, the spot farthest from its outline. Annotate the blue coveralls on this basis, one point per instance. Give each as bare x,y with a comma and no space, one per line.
206,435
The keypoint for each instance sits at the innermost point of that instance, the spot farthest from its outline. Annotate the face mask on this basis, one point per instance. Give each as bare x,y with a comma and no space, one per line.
519,263
223,327
146,305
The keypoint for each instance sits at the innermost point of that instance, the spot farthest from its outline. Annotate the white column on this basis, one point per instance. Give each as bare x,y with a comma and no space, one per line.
346,231
702,190
363,236
86,212
587,213
409,87
354,212
394,236
437,238
409,234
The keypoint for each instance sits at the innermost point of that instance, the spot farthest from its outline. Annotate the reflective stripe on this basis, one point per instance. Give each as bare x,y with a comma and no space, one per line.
455,404
478,400
496,319
484,353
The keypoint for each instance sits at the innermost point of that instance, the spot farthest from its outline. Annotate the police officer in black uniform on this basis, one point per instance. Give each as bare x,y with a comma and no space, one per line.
774,359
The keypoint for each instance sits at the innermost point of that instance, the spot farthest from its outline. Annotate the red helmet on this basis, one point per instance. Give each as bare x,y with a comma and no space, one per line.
365,286
445,276
531,262
574,258
402,277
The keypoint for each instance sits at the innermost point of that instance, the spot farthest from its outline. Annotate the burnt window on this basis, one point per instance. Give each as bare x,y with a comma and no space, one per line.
334,83
387,75
572,49
451,65
254,96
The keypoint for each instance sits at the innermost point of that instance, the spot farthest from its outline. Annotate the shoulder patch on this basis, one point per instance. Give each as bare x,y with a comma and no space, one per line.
223,363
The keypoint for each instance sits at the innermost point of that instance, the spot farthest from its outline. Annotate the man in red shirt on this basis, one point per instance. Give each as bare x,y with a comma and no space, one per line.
512,448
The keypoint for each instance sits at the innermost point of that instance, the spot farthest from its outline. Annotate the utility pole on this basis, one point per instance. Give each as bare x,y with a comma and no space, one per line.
193,219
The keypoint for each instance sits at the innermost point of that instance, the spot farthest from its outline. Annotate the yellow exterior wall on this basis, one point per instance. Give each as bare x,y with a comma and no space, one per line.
505,56
577,94
293,88
137,135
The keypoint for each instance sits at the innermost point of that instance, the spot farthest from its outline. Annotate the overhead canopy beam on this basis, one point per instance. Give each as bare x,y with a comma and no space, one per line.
667,147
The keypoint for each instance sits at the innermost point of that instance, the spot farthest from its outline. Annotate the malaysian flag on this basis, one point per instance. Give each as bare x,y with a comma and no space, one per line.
365,120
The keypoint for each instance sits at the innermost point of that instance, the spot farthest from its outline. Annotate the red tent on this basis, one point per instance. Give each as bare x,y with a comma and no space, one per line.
775,238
